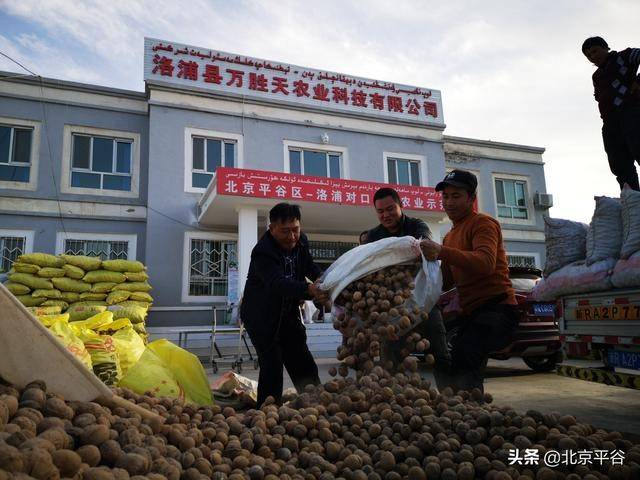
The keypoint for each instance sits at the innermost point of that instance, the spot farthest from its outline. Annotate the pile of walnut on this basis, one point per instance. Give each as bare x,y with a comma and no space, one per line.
375,313
375,427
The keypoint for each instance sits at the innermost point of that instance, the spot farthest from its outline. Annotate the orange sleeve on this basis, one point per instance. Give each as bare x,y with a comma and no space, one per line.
482,258
447,277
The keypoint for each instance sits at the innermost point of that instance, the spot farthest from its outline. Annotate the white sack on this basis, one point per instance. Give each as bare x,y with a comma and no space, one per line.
604,237
630,200
565,243
626,273
575,278
371,257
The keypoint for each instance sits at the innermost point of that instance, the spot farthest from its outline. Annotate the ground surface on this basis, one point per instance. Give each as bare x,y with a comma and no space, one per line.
511,382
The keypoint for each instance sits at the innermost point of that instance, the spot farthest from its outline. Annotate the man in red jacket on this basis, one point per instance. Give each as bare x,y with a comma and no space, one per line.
617,91
474,261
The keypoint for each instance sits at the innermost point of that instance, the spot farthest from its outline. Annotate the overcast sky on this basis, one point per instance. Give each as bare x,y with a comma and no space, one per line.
509,71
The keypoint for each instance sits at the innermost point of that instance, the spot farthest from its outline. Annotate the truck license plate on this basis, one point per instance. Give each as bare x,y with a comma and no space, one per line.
544,309
622,359
612,312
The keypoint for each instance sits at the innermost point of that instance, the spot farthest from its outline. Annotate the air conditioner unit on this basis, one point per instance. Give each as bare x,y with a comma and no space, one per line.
543,201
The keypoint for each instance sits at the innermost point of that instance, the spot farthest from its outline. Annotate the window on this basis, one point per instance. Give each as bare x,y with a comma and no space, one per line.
316,163
97,161
403,172
209,262
12,245
511,198
329,251
15,153
209,154
101,163
105,246
522,260
18,153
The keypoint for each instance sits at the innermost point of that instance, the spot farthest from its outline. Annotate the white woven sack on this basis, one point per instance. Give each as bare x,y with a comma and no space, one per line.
630,200
577,277
604,237
565,243
626,274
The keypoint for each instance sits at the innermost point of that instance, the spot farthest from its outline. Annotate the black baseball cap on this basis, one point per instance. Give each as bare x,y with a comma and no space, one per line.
460,179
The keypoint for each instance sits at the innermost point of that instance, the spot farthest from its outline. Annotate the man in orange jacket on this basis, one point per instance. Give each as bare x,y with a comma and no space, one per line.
474,261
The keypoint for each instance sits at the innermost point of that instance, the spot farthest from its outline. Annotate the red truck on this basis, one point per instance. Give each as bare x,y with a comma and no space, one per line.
538,337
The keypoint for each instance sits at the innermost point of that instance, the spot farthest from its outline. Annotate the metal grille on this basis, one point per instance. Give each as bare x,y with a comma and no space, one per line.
210,261
106,250
329,251
10,249
521,261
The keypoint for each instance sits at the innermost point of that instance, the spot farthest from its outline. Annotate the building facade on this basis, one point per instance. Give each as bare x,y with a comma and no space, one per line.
182,176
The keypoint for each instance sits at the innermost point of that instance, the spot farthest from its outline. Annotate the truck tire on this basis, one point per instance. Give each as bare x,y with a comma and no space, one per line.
541,364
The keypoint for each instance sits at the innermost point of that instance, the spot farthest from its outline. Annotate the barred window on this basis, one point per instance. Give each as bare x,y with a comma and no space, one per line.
106,250
209,266
329,251
10,249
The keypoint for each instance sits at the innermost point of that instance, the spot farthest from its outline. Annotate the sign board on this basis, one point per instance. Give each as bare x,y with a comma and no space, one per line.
286,186
227,73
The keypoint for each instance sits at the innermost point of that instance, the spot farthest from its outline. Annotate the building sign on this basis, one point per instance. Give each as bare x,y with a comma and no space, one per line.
287,186
184,65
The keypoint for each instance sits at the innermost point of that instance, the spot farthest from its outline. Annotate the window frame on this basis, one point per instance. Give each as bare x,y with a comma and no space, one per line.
534,255
186,264
115,135
318,147
411,157
34,153
131,239
189,133
28,235
530,220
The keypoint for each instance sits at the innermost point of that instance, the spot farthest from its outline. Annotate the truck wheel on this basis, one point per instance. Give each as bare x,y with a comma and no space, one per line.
541,364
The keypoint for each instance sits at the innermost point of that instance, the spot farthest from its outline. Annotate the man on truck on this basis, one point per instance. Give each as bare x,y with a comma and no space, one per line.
474,261
275,286
394,223
617,91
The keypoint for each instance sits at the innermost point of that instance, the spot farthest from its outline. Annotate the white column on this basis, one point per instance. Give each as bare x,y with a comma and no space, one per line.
247,238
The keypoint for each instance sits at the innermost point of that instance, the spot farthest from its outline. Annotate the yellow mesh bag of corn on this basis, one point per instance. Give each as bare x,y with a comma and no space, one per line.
82,312
31,281
74,272
29,301
103,287
41,259
55,303
98,276
134,313
40,311
85,263
25,268
136,276
134,287
117,297
123,265
51,272
67,337
70,285
17,288
141,297
52,293
70,297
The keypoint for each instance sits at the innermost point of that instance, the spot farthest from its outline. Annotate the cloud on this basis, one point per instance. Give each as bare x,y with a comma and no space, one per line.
508,71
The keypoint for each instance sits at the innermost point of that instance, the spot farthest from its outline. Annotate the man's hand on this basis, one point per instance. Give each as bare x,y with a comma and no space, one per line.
318,295
430,249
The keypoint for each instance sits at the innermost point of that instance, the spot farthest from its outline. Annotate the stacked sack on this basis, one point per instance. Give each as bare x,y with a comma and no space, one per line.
582,260
83,286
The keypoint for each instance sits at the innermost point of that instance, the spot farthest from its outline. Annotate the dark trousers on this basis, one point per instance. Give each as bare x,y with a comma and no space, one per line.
289,350
488,329
621,137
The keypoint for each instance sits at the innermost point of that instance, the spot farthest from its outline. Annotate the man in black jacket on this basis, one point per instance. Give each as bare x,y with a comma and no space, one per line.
275,286
616,86
394,223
